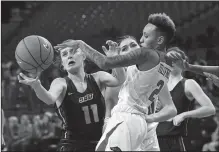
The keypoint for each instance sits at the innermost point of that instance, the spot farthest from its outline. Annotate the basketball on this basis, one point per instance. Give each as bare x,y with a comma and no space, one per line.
34,54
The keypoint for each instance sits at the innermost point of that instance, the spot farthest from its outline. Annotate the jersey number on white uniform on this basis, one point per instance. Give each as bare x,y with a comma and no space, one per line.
152,107
87,116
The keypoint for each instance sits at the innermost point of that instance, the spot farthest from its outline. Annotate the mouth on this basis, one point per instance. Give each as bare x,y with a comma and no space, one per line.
71,63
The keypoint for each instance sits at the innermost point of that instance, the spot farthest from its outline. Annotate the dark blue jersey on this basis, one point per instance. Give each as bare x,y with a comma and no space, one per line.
82,114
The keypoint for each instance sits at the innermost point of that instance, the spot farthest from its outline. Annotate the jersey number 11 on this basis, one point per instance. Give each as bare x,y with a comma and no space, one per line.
87,116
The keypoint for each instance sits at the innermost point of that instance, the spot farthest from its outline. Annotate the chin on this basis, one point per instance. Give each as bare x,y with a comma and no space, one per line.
72,69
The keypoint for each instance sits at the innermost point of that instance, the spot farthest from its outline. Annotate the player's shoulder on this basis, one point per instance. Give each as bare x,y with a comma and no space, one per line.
191,84
59,81
99,74
150,54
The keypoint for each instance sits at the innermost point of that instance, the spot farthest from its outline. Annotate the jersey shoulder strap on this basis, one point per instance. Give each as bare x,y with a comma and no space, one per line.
70,85
92,83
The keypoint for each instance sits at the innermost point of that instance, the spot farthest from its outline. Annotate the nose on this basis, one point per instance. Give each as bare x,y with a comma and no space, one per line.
141,40
69,57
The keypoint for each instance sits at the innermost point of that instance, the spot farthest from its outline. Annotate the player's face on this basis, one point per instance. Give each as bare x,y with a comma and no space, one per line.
127,45
149,37
72,59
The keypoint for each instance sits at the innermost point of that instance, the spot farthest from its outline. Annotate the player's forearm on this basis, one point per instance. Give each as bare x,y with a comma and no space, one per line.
167,112
43,94
201,112
200,69
95,56
137,56
119,73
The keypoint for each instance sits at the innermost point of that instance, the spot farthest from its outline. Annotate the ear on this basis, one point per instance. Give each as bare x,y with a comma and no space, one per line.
160,40
83,55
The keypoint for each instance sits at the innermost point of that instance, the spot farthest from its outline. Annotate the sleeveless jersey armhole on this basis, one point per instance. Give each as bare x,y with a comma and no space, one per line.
66,91
191,106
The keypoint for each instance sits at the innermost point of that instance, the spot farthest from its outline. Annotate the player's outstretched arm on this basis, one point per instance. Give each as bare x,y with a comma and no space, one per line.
201,69
213,78
168,111
136,56
48,97
174,55
109,80
193,89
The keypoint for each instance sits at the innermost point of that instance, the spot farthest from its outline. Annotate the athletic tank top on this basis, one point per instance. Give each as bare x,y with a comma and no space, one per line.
82,114
182,104
141,88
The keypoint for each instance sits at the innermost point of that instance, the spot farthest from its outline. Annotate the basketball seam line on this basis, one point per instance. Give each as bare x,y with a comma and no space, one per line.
23,60
41,54
31,54
35,67
40,49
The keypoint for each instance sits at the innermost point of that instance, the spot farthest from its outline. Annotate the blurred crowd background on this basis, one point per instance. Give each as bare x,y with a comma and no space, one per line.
33,125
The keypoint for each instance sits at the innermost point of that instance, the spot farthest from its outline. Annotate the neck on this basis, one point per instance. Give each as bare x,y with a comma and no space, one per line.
77,76
161,48
175,74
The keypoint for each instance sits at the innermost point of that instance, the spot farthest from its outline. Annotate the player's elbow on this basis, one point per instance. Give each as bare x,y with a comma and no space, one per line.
211,110
172,111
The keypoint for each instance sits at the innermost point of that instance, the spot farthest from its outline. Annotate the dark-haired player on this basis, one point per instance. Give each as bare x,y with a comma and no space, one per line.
211,72
147,76
184,92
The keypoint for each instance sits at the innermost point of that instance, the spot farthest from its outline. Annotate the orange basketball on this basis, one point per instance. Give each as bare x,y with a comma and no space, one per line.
34,54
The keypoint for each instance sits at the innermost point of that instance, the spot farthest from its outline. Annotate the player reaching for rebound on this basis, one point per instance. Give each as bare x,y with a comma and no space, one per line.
78,99
146,79
184,92
211,72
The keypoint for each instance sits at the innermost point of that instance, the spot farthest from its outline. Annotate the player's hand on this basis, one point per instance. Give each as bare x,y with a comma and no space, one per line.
213,78
175,56
114,49
149,118
27,80
177,120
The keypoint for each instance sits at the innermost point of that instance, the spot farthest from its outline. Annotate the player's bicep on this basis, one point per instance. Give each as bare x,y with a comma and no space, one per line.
165,97
137,56
107,79
56,88
193,88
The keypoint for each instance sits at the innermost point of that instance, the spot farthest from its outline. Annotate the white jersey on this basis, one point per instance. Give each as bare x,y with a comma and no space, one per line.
141,88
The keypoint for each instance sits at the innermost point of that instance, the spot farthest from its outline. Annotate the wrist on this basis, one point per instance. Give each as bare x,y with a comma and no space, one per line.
150,118
184,116
189,68
36,84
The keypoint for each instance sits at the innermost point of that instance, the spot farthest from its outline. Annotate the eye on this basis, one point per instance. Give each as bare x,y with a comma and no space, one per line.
145,35
133,45
64,54
124,49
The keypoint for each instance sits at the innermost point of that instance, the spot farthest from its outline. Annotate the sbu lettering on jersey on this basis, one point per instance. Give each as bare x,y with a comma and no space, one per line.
164,71
86,98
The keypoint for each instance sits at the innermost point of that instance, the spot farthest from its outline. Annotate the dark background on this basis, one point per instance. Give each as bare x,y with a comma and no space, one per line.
95,22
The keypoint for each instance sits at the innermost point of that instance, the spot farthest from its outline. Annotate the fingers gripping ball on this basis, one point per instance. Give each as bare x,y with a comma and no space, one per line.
34,54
